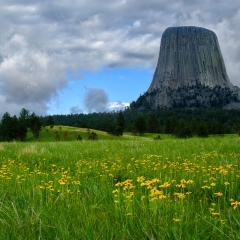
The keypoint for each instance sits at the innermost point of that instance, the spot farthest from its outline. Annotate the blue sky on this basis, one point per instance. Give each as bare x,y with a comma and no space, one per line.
122,85
62,57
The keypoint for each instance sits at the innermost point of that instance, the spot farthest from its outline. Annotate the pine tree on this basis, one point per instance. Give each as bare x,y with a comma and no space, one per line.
5,127
35,125
120,123
153,125
140,124
23,122
182,130
50,121
202,130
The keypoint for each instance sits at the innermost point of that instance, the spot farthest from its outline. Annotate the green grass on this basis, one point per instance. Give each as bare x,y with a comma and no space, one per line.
48,134
120,188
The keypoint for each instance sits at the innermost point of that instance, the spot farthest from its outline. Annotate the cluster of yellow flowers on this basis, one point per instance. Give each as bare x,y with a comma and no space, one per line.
152,180
206,183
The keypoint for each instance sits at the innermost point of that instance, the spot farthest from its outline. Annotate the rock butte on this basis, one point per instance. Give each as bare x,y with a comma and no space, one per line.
190,71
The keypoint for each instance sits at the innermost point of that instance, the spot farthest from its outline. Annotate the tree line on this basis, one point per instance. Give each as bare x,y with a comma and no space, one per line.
16,128
178,121
181,122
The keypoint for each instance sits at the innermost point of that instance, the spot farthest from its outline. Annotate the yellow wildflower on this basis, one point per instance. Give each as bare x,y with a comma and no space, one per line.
223,221
130,195
140,179
176,220
115,191
218,194
235,204
162,197
180,195
165,185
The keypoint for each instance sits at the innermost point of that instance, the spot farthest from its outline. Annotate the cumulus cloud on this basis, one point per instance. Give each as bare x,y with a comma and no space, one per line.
117,105
42,40
96,100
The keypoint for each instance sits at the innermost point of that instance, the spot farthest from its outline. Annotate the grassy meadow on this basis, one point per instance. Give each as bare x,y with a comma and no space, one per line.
120,187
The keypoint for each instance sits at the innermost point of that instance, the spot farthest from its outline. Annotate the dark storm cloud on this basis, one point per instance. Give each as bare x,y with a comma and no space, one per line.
41,40
76,109
96,100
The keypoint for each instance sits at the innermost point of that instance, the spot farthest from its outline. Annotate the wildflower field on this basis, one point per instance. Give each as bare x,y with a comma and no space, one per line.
129,189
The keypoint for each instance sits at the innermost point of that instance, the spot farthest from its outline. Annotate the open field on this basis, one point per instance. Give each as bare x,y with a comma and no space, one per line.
117,189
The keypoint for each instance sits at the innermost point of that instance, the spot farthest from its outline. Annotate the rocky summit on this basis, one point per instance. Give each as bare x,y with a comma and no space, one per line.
190,72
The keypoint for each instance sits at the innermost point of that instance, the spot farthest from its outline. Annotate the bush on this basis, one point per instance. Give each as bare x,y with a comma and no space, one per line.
93,136
79,138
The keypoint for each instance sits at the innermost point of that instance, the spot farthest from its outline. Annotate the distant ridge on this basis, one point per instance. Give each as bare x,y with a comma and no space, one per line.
190,72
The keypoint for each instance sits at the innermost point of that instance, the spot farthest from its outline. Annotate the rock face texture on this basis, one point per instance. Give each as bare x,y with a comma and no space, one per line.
190,72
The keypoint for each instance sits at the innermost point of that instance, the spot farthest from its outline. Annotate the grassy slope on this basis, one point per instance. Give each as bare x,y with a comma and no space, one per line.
49,134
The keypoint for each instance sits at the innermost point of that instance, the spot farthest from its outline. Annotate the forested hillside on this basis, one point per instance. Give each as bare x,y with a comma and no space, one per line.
181,122
213,120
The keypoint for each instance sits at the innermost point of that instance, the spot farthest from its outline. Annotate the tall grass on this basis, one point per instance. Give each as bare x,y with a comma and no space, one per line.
111,189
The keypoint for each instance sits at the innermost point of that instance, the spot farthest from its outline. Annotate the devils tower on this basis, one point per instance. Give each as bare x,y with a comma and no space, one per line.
190,72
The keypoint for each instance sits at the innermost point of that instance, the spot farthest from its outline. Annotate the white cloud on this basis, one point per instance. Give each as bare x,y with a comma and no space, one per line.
117,105
41,40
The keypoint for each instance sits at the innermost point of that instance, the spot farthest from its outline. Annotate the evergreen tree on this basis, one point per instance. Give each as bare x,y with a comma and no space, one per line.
110,127
153,125
121,120
120,124
23,122
140,124
219,128
182,130
118,131
168,126
13,128
50,121
202,130
5,127
35,125
24,114
194,126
